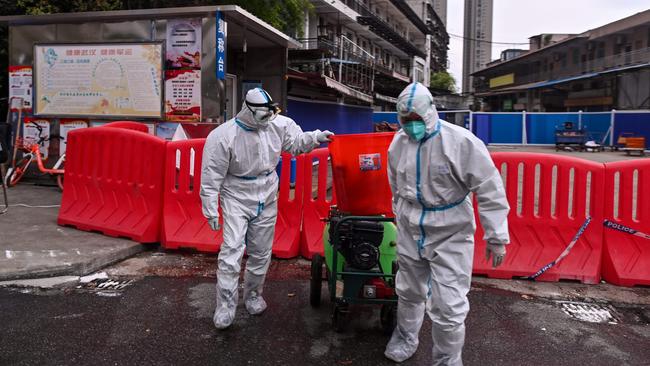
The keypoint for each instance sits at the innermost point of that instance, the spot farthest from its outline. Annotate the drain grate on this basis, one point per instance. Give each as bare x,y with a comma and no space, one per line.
589,312
106,284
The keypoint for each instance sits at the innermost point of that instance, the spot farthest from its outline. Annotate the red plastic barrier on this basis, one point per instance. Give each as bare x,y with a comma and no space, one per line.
198,130
358,160
113,183
184,225
539,236
626,258
128,125
287,230
315,209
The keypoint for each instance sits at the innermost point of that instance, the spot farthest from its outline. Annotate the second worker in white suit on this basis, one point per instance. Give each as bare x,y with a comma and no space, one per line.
432,168
238,171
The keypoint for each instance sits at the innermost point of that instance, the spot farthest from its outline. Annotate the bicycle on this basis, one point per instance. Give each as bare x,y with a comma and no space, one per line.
30,152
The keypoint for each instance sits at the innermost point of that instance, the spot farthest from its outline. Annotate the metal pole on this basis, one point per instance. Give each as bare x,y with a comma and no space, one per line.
4,188
612,122
340,59
471,121
580,120
524,137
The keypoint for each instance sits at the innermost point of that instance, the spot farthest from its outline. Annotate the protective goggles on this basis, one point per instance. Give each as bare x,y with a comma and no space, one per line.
269,106
410,117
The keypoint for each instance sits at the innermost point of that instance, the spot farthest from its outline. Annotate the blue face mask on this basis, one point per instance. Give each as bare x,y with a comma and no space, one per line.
415,129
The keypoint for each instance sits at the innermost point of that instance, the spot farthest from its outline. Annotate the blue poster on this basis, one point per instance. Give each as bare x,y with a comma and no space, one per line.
221,47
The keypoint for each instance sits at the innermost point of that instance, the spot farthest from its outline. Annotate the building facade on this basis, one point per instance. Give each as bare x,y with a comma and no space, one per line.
477,46
362,53
440,7
601,69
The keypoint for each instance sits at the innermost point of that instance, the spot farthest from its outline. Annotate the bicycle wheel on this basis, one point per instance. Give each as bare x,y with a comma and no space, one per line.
17,173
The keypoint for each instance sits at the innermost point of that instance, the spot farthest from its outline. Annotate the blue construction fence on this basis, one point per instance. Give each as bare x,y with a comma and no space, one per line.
538,128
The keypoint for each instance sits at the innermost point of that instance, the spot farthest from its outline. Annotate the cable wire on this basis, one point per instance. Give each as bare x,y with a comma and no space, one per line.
486,41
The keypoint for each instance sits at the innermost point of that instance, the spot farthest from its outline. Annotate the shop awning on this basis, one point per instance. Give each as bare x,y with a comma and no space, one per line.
331,83
564,80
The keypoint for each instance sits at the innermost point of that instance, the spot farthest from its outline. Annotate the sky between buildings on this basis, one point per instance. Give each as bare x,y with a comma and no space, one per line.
516,20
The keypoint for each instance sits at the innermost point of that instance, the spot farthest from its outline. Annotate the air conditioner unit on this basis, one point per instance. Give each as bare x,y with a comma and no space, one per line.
590,46
620,39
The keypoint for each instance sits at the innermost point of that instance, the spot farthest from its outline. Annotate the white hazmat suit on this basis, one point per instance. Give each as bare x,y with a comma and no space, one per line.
431,180
238,171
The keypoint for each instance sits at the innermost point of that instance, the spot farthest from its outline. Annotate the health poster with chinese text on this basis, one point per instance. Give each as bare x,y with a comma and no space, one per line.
183,44
117,80
20,87
183,95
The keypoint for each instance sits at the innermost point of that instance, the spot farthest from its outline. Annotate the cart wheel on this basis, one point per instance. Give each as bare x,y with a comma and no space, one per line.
388,317
316,280
339,317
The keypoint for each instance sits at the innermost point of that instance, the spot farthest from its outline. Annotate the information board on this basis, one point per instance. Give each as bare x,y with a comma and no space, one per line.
110,80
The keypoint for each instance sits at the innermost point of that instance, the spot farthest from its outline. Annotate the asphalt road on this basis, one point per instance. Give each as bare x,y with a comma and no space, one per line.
167,321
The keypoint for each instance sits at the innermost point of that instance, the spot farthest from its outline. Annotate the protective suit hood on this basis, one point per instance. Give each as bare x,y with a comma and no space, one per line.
258,109
417,99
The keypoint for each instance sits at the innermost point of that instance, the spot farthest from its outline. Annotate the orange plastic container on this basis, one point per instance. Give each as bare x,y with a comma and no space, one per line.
359,163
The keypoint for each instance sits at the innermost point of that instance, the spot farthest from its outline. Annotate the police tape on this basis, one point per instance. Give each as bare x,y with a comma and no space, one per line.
564,253
626,229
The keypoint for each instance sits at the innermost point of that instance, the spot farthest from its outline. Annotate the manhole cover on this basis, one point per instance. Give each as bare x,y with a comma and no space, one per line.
588,312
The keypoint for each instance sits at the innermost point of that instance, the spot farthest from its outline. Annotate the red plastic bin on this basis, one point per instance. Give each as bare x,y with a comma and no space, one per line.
359,163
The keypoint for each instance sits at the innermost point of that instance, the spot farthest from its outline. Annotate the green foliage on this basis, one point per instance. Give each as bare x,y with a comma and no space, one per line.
38,7
285,15
443,81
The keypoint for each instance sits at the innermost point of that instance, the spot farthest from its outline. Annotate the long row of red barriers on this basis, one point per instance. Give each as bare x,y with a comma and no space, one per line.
116,183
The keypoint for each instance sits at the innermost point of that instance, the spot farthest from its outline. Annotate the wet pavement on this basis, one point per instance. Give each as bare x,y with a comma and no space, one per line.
137,317
32,245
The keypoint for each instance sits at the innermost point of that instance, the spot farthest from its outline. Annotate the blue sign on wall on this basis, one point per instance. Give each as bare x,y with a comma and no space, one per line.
221,47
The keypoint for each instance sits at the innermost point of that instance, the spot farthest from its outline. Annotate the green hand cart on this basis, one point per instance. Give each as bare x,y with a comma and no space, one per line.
360,261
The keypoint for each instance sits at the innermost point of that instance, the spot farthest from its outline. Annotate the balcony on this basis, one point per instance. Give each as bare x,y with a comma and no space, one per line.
338,62
340,48
383,29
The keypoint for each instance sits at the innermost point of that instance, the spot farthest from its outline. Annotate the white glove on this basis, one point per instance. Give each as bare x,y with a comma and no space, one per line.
325,136
214,223
498,252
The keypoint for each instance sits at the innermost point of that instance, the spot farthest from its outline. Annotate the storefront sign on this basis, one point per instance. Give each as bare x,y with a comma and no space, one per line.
502,80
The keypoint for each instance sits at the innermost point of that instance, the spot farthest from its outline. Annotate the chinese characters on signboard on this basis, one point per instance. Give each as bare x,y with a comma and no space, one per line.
183,75
20,87
183,44
183,95
113,80
221,46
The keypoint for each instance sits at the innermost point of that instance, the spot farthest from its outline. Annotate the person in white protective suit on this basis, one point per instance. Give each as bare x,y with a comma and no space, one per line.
238,171
432,168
